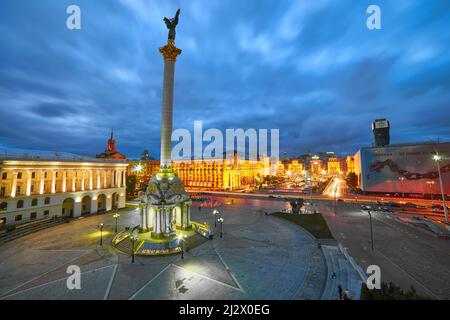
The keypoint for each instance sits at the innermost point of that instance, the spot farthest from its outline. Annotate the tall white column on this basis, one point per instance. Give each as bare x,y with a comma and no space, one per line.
14,185
104,180
124,178
170,53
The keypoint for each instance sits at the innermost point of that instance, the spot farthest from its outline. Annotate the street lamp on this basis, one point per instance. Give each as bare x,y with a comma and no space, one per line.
101,234
335,200
215,213
181,238
402,180
438,158
116,216
133,240
221,226
430,183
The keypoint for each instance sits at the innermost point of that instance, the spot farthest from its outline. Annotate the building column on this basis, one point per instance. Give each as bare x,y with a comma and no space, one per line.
94,204
150,217
124,178
28,183
90,180
104,180
111,183
82,180
118,179
53,181
74,180
41,182
122,202
143,212
77,209
14,185
108,203
98,178
64,182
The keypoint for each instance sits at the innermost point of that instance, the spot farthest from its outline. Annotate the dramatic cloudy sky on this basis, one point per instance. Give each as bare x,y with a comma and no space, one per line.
310,68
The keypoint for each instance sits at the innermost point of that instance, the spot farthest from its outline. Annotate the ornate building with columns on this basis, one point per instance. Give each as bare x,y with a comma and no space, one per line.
34,188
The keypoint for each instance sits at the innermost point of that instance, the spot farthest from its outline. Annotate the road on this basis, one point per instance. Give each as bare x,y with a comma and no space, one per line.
407,255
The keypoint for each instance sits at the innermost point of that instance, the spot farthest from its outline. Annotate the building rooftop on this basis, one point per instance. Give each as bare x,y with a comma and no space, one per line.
40,155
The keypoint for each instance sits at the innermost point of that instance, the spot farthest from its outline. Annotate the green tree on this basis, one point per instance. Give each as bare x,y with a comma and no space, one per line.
352,180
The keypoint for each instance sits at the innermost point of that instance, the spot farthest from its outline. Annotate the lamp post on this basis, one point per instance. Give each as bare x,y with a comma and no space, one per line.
221,226
181,238
430,183
438,158
402,180
133,240
215,213
335,200
371,230
116,216
101,234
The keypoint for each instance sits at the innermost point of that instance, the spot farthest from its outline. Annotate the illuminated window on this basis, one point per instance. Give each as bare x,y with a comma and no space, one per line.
4,175
19,175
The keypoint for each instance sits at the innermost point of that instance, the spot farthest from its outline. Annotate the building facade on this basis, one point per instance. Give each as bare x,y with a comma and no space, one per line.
35,188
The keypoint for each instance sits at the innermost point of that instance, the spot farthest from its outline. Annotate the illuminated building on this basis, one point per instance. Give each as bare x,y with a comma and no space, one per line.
36,188
292,167
143,170
219,174
209,174
350,164
334,166
110,151
316,165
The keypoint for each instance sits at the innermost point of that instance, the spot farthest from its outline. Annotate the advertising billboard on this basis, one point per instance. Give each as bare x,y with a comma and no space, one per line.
404,168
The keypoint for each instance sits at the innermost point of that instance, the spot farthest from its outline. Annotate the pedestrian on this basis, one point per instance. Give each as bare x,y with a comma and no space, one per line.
340,292
333,276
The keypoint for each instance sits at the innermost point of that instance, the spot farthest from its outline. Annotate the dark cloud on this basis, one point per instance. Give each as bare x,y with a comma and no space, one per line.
311,69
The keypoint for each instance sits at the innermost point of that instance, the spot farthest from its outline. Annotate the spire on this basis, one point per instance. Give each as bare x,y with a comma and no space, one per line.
112,133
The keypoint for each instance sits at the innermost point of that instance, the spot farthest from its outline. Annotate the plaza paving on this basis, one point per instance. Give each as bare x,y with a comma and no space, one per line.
259,257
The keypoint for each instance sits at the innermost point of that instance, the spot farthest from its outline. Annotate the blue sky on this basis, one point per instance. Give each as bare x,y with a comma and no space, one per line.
310,68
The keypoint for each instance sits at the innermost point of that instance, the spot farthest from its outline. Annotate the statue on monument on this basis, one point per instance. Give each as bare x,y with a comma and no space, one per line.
172,24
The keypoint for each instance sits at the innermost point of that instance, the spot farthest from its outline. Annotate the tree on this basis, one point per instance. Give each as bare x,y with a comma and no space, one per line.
352,180
389,292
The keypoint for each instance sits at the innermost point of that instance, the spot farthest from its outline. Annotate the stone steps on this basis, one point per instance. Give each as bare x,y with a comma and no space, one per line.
29,229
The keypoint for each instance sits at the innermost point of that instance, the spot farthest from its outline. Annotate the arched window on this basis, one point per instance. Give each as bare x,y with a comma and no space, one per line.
4,206
19,204
47,200
34,202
